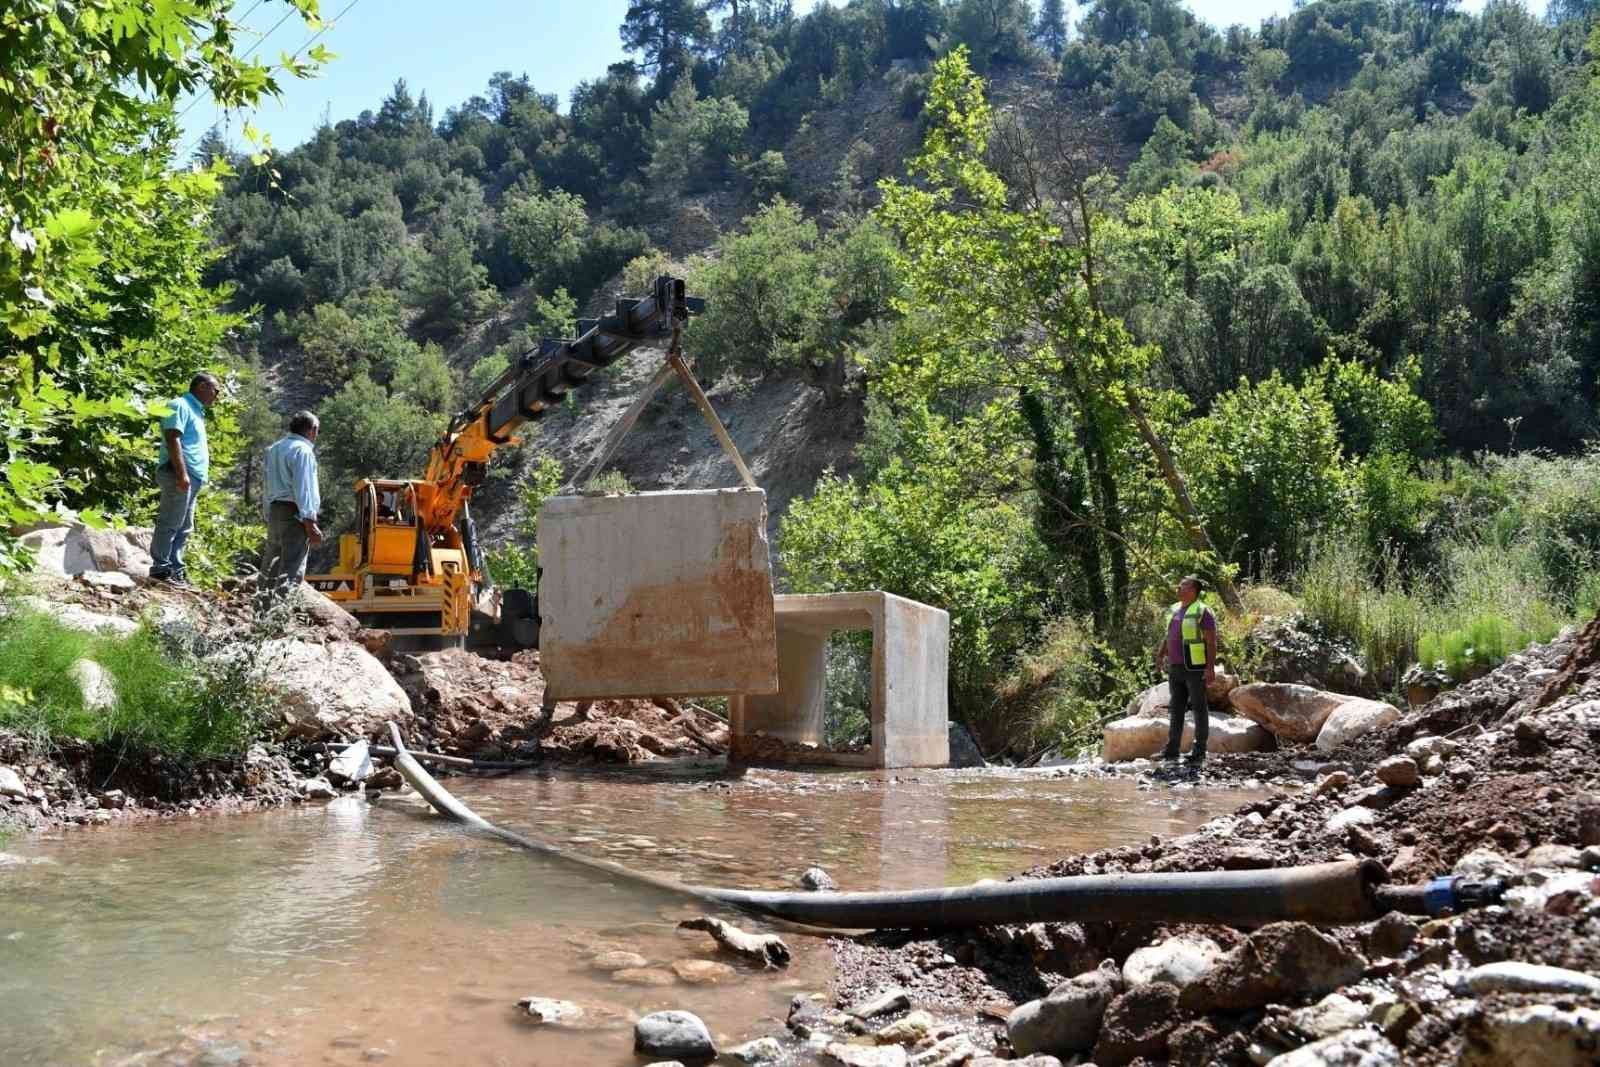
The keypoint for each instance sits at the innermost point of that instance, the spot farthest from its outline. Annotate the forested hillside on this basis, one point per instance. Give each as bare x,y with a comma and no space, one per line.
1312,307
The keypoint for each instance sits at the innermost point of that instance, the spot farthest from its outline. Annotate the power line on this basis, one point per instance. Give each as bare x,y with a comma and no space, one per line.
326,26
251,50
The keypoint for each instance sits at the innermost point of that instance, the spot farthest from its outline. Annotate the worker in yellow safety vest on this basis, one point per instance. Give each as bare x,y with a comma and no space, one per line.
1188,650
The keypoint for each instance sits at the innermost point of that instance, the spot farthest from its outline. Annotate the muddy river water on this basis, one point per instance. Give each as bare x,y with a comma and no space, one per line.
349,932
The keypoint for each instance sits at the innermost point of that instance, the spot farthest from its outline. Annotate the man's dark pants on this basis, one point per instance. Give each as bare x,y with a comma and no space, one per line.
1186,689
283,564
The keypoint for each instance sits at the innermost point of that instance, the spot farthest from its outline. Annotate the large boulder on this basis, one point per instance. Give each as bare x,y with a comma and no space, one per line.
326,614
1234,733
1154,702
1136,738
78,617
1292,712
76,549
1290,648
1355,718
332,690
964,751
126,550
1139,737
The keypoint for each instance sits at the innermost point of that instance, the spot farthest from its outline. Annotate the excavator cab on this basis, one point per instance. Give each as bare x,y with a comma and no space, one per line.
391,576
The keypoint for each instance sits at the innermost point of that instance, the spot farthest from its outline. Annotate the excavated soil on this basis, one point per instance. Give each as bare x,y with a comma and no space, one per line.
493,709
1523,775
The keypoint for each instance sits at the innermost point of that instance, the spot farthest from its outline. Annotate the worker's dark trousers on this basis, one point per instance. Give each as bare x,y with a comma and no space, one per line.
283,564
1187,690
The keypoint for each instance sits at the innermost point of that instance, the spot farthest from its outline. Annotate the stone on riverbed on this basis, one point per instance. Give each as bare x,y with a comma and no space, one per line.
11,783
701,972
817,880
882,1004
1399,772
618,961
865,1055
1068,1020
673,1033
649,976
1540,1035
1179,961
761,1050
1280,961
1353,1048
1512,976
546,1010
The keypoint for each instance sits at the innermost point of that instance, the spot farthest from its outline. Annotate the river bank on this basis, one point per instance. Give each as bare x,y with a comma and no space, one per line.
1497,779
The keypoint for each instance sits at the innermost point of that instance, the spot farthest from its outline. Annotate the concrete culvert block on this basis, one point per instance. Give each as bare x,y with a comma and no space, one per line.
657,594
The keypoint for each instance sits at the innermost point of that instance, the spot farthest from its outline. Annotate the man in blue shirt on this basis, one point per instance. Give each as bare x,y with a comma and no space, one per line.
292,500
181,473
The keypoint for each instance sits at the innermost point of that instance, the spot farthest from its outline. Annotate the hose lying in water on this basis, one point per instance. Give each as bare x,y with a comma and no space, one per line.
1326,893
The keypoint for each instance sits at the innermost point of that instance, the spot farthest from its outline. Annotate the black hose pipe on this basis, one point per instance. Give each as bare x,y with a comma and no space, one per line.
1328,893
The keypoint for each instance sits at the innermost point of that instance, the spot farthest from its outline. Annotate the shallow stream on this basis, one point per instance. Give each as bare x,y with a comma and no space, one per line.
352,933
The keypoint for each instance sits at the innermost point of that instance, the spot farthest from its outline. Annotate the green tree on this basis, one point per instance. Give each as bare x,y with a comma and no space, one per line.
992,31
1267,468
665,33
365,334
1163,161
546,232
515,564
102,303
692,139
449,290
1050,27
1003,299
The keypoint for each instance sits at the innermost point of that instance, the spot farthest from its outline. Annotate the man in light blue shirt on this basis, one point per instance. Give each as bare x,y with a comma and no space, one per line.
181,473
291,500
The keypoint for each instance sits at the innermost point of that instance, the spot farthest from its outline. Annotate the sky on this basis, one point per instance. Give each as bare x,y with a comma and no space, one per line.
448,50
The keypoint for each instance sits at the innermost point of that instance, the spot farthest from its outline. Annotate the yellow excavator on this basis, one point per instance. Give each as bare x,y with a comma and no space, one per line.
413,565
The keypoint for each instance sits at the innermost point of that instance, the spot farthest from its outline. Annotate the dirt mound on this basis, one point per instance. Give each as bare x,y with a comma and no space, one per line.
468,705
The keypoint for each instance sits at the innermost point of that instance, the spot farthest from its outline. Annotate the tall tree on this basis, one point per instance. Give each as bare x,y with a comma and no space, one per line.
1050,27
101,300
1008,296
666,33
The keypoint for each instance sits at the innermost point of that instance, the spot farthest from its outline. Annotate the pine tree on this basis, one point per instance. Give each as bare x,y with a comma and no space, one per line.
1050,29
666,33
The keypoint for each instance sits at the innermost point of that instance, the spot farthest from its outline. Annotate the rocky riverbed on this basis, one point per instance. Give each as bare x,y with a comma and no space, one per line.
1497,779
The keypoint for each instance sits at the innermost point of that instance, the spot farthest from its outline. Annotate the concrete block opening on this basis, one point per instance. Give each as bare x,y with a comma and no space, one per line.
906,692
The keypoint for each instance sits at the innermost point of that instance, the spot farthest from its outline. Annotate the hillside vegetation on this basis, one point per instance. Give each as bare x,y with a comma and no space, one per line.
1312,306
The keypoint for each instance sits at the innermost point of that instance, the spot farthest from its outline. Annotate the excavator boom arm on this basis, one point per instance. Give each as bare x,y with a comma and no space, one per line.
537,381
